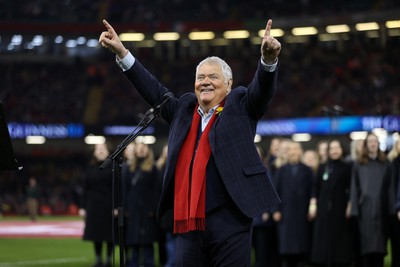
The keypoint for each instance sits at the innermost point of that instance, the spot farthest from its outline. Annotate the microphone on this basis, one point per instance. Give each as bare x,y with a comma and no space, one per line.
167,97
156,111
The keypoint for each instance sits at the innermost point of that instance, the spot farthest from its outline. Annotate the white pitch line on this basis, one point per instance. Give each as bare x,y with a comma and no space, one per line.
42,262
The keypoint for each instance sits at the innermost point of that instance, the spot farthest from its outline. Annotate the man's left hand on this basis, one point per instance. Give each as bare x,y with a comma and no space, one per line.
270,47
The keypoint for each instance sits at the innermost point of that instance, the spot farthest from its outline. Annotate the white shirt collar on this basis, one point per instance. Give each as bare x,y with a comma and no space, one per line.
211,111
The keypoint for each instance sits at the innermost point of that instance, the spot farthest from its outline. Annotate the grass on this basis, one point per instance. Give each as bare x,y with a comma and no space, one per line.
45,252
56,252
52,252
49,252
40,218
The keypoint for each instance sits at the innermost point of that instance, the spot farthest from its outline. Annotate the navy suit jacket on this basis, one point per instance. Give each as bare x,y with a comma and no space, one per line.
231,138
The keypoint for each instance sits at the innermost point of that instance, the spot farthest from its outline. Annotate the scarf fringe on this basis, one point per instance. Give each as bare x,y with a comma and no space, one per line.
192,224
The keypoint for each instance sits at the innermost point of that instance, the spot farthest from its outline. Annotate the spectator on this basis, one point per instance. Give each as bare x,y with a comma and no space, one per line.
394,158
140,198
32,198
294,186
272,151
310,159
97,205
281,157
370,201
332,237
322,151
356,147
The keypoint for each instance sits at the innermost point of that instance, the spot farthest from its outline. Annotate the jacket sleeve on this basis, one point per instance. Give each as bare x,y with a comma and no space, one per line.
151,89
260,92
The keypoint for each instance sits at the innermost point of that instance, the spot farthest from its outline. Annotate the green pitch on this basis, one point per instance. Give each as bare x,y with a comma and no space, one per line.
45,252
57,252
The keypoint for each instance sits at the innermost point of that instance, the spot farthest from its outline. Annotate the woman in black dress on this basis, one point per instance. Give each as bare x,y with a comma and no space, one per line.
332,244
140,201
97,205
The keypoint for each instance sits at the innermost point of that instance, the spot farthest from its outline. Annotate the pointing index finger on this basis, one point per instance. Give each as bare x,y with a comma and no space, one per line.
109,27
268,28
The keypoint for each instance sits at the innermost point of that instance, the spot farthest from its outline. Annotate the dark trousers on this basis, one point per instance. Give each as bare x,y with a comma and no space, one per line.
294,260
148,256
265,242
226,241
170,247
372,260
395,241
333,265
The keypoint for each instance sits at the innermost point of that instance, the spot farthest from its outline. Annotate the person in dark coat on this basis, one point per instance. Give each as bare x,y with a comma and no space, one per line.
394,157
294,183
97,205
265,237
216,186
140,201
371,198
332,236
32,198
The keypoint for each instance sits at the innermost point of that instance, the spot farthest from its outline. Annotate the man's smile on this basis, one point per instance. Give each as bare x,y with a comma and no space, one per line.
206,90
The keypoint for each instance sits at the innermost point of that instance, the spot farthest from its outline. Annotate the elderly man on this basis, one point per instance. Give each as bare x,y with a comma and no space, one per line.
214,181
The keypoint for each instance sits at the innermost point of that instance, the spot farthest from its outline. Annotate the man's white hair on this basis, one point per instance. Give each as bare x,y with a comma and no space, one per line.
226,70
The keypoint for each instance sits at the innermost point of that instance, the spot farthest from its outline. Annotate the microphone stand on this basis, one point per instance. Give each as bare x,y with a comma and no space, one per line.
150,115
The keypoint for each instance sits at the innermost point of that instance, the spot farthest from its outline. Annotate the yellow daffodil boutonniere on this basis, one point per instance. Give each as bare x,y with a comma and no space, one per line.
219,110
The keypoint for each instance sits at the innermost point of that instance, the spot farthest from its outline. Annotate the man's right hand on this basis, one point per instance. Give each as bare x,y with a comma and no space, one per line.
109,39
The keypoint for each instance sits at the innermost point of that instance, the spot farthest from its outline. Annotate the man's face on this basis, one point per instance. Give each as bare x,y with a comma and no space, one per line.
209,85
310,158
335,150
294,152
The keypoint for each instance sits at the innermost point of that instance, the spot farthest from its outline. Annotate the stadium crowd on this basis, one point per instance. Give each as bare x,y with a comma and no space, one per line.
361,80
154,12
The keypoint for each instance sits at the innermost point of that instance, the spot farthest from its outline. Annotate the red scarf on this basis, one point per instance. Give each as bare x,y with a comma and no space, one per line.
190,188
